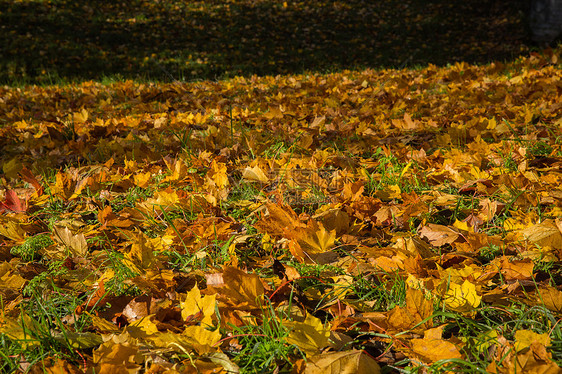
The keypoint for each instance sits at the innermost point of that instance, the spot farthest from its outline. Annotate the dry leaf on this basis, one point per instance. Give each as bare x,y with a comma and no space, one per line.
310,335
346,362
76,243
438,235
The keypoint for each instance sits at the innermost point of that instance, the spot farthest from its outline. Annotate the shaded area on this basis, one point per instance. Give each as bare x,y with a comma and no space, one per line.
42,41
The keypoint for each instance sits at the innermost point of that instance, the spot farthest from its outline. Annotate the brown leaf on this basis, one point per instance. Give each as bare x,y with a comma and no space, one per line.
438,235
550,297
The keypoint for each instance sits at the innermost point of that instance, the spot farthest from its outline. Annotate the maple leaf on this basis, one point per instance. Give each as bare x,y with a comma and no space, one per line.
76,243
417,309
433,348
462,297
195,303
439,235
316,239
310,335
352,361
12,203
236,288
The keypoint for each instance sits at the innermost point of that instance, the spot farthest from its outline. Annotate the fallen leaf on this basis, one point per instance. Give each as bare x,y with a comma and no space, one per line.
462,297
310,335
194,304
346,362
438,235
76,243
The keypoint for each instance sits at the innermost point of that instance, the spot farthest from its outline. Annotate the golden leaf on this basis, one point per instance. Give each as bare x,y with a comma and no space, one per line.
431,350
23,330
438,235
417,309
194,303
346,362
76,243
254,174
517,269
550,297
524,339
462,297
237,288
317,239
11,229
310,335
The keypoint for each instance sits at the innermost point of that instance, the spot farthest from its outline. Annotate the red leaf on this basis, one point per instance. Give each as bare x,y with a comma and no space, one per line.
12,203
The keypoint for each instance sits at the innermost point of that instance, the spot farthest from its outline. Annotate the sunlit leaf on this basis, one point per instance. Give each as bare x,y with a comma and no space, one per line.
352,361
462,297
310,336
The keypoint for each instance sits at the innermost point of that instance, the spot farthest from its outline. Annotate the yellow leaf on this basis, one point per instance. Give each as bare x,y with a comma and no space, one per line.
142,252
80,117
11,229
432,350
101,324
203,339
12,168
9,278
310,335
142,179
346,362
142,328
118,356
463,226
524,339
544,234
462,297
486,340
389,192
21,330
218,173
194,303
550,297
317,239
255,174
76,243
79,340
417,309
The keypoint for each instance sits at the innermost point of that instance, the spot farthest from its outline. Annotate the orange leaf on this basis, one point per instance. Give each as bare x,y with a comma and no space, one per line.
431,350
237,288
417,309
28,176
517,269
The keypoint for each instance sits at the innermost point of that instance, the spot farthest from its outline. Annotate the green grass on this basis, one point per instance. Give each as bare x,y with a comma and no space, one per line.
265,346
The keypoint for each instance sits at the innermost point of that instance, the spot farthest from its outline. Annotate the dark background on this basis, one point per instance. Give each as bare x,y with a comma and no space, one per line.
57,41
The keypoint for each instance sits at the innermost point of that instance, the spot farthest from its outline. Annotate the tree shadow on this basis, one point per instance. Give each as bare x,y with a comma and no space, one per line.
44,41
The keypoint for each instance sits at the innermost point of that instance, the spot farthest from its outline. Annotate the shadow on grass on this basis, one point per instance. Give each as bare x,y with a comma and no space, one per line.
48,41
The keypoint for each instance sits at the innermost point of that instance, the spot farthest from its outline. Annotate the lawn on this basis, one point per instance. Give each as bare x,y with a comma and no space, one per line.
278,187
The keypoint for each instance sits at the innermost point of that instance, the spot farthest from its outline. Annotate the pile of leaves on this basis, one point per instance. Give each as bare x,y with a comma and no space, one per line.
45,41
368,220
